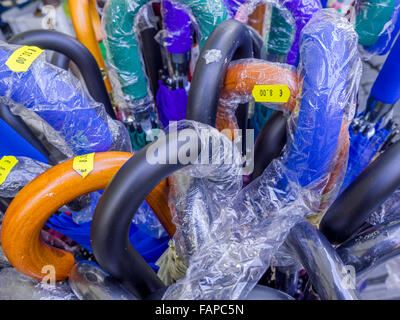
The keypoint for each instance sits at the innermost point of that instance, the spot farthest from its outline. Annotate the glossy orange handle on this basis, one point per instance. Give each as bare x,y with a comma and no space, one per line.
241,78
38,200
96,22
82,15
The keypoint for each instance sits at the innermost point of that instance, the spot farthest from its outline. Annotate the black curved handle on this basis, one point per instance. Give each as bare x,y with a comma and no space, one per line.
269,143
229,41
78,53
364,195
116,208
60,60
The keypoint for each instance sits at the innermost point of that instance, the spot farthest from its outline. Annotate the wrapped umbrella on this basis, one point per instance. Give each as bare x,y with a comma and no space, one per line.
367,133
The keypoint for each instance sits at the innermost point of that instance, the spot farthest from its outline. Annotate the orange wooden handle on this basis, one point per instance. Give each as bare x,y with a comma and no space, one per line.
96,23
241,78
38,200
82,15
338,164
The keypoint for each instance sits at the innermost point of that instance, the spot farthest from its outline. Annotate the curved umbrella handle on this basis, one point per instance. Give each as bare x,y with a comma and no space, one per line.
230,40
82,13
366,193
301,11
38,200
241,77
372,247
116,209
321,261
270,143
96,22
78,53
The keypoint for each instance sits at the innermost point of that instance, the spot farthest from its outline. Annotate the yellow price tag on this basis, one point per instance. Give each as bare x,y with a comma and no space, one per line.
6,164
83,164
22,58
271,93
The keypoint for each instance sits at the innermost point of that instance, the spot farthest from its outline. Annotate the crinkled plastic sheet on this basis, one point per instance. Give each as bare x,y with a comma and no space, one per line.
200,191
388,211
247,232
377,24
54,103
16,286
21,174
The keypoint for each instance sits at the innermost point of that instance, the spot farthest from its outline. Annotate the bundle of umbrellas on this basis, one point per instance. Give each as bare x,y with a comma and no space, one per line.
142,177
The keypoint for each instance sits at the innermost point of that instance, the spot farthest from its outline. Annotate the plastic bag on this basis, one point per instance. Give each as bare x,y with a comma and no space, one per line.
54,102
21,174
247,233
240,79
199,192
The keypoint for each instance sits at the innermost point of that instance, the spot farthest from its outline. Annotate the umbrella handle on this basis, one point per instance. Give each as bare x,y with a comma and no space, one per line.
347,214
78,53
270,143
230,40
321,261
38,200
372,247
370,24
83,15
241,77
117,207
96,22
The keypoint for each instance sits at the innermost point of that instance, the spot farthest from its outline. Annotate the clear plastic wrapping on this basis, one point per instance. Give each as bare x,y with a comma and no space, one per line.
287,21
16,286
242,75
54,103
122,22
247,232
21,174
146,220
